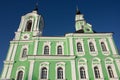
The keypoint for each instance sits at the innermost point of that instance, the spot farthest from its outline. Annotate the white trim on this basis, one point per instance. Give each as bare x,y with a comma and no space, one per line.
95,53
112,45
60,44
35,47
21,52
118,64
46,65
21,68
9,71
109,62
62,65
83,63
73,69
82,44
10,52
47,43
97,62
5,68
106,45
14,52
31,67
71,46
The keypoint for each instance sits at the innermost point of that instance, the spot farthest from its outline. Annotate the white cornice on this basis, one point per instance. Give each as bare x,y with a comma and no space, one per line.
39,57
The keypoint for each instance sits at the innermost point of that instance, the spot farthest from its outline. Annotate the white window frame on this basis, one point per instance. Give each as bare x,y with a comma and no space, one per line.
96,62
95,53
62,65
21,53
20,68
106,45
42,65
83,52
83,64
60,44
47,43
111,64
25,23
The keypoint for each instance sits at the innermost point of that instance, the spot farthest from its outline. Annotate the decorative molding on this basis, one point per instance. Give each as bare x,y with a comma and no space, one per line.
73,73
31,69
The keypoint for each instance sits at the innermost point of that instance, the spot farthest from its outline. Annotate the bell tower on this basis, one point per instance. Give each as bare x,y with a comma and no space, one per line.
31,25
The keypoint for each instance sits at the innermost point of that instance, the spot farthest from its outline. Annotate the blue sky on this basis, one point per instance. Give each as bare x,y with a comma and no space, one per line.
59,16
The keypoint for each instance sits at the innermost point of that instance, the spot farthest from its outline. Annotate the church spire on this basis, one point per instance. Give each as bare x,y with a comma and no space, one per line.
36,7
77,10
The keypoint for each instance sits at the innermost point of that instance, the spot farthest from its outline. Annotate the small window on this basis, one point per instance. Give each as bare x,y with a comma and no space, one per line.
96,72
103,46
20,75
91,45
79,47
28,25
59,50
24,52
44,73
110,71
60,73
46,50
82,73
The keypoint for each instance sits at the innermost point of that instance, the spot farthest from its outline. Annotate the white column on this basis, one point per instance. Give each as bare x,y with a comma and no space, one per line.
118,64
31,70
35,47
71,46
10,52
14,52
112,45
9,71
73,70
3,76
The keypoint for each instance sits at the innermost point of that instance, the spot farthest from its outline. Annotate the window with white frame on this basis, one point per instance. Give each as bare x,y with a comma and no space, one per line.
44,73
60,71
28,25
96,72
20,75
103,46
110,72
44,68
82,68
46,50
59,50
24,52
79,47
82,73
91,46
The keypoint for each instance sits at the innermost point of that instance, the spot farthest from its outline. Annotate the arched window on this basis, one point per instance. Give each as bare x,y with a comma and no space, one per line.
44,73
103,46
79,47
110,71
91,45
28,25
20,75
96,72
46,50
59,50
82,73
24,52
59,73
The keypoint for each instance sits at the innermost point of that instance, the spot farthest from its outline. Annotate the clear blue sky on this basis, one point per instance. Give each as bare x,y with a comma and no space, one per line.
59,16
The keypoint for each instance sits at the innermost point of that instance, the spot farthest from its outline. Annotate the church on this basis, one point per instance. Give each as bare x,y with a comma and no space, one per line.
81,55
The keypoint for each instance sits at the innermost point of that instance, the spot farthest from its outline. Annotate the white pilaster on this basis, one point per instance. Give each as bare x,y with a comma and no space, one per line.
5,68
10,52
31,70
9,71
73,70
14,52
112,45
35,47
71,46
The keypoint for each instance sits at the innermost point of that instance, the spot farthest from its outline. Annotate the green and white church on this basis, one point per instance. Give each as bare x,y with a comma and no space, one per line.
81,55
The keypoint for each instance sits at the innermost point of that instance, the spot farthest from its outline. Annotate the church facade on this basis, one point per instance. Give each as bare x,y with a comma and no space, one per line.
81,55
